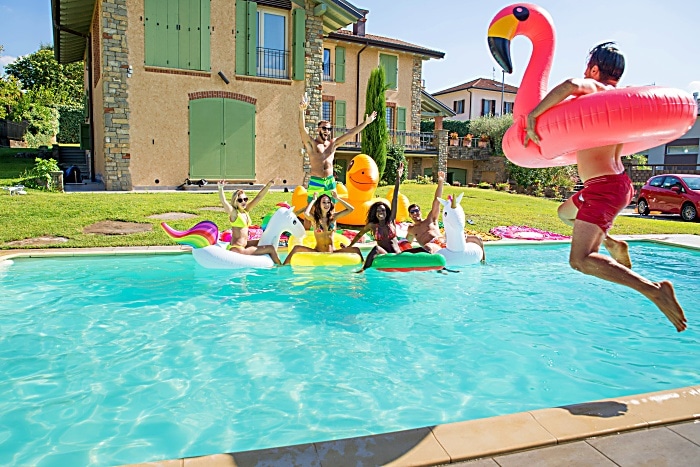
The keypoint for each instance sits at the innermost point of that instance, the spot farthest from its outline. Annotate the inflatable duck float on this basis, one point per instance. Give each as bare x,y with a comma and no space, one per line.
361,182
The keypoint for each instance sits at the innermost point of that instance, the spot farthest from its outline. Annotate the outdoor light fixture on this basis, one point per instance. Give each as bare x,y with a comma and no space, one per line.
223,76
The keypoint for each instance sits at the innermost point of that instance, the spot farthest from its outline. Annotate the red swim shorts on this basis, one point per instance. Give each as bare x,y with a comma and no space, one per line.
602,199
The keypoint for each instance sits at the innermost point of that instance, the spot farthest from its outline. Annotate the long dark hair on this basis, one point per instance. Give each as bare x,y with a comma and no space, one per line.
317,213
372,213
610,61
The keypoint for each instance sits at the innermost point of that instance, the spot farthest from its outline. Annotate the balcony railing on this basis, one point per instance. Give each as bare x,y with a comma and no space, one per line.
273,63
329,71
409,140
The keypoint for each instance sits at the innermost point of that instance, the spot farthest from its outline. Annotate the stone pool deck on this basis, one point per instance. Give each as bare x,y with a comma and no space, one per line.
659,429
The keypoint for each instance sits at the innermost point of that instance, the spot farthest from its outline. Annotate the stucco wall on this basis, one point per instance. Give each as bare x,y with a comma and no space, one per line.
368,60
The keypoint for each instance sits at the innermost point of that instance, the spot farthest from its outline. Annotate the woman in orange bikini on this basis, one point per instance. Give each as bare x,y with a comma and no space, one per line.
237,212
381,221
320,212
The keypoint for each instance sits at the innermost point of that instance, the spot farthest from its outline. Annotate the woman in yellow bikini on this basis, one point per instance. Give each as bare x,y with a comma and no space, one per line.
321,213
240,221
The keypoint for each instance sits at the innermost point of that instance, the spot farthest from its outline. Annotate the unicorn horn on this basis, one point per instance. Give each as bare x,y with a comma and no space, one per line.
454,202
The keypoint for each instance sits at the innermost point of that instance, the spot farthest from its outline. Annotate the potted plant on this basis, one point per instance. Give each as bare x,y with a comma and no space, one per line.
453,138
467,140
483,140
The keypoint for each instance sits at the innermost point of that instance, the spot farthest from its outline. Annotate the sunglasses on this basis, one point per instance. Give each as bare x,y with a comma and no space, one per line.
240,200
327,128
414,211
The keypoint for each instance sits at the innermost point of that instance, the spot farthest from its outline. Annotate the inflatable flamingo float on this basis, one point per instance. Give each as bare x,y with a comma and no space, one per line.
637,117
458,251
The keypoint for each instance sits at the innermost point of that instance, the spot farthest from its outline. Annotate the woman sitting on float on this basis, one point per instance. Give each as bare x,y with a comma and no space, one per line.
321,213
381,221
237,212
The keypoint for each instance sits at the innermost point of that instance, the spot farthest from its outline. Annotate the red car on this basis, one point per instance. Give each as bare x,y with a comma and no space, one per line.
671,194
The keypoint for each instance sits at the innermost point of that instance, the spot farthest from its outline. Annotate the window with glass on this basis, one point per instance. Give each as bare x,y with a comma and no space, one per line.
327,111
327,65
685,149
508,108
390,118
272,44
488,107
458,106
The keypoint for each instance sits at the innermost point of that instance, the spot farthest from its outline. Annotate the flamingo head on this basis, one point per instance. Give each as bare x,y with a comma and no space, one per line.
520,19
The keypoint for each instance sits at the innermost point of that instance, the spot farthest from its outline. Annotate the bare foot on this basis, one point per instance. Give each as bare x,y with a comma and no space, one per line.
666,300
619,250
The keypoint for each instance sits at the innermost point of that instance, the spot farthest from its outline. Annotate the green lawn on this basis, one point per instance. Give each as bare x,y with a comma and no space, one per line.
66,214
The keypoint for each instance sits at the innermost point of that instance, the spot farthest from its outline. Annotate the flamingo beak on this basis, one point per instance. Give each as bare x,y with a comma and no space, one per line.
500,33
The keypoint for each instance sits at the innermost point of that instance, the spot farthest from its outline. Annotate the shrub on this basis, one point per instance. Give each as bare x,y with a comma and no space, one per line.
502,186
424,180
484,186
69,120
494,128
39,176
394,155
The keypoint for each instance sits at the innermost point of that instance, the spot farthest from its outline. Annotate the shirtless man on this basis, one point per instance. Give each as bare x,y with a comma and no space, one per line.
427,231
321,150
607,190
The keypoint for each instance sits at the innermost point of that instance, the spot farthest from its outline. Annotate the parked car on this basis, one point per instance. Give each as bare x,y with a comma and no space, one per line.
671,194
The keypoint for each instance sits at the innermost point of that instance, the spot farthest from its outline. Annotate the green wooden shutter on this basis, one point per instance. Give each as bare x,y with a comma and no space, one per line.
298,49
160,50
184,32
252,39
172,46
206,138
239,140
401,124
150,31
340,64
340,121
241,37
391,68
204,35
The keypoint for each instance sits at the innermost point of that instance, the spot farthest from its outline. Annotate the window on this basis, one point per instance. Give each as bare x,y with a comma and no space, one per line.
458,106
271,47
327,65
391,69
657,182
262,44
177,34
488,107
390,121
327,111
687,149
507,108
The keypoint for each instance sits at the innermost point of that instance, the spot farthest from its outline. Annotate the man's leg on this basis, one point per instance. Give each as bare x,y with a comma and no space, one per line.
584,257
618,249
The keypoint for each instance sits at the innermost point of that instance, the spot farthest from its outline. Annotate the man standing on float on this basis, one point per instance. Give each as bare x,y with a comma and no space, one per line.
321,150
607,190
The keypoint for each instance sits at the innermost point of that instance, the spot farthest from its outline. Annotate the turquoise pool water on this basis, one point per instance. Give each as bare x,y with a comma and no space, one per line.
110,360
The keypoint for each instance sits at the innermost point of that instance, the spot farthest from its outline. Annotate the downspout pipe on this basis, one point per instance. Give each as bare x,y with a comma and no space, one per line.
357,86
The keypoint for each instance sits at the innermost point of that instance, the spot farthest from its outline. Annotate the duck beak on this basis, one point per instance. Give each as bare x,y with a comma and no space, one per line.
501,32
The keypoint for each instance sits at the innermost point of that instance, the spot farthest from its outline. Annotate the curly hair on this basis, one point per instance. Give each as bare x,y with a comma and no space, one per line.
609,60
372,212
317,213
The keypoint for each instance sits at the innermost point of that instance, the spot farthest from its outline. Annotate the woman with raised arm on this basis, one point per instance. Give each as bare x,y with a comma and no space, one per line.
240,220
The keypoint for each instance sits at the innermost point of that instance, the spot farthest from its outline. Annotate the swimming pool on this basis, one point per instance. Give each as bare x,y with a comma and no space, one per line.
124,359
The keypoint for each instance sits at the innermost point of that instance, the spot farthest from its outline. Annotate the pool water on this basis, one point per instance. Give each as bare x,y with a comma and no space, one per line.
110,360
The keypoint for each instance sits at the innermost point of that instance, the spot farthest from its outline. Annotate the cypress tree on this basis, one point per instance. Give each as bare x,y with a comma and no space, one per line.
375,137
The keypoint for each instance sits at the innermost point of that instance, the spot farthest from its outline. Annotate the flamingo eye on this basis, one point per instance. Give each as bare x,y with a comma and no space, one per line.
521,13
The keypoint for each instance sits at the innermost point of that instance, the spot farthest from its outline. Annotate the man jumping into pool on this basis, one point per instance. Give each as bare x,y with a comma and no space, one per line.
321,150
607,190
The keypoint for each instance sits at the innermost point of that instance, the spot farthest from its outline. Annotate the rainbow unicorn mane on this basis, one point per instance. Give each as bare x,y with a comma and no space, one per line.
201,235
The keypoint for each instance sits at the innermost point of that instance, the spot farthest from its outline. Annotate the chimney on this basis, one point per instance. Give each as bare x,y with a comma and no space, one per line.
358,29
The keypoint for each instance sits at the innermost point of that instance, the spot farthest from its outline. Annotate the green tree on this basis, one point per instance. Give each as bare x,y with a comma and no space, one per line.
40,72
494,128
375,137
394,156
10,96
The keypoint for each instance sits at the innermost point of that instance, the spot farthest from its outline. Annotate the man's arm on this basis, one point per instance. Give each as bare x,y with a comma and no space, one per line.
306,138
340,140
434,213
570,87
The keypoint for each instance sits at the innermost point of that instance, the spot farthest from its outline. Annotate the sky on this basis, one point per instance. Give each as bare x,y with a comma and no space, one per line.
658,37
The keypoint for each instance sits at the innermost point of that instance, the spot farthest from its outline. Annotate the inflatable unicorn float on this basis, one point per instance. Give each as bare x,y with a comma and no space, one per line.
208,251
457,252
638,117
